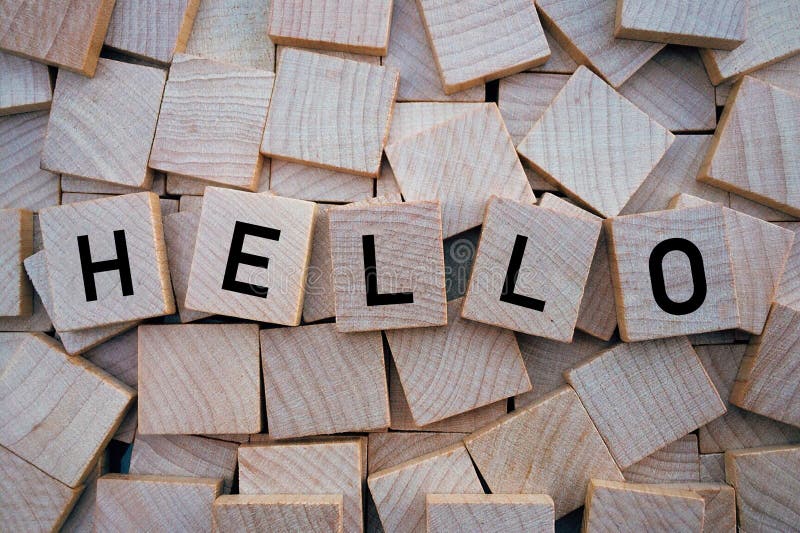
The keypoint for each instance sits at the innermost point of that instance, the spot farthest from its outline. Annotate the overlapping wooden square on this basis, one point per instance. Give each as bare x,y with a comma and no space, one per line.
16,244
489,512
278,512
24,85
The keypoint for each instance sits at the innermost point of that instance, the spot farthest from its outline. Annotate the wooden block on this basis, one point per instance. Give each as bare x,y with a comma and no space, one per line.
634,407
410,118
211,371
399,492
764,479
560,61
319,302
332,467
718,24
349,26
758,210
183,185
16,243
51,401
108,231
32,500
720,502
192,204
76,184
712,467
489,512
372,60
586,32
473,43
180,233
38,320
535,468
154,503
597,315
185,455
766,383
278,512
349,139
211,121
469,364
67,34
302,399
772,35
263,281
81,518
386,186
678,461
531,286
725,336
737,428
392,448
742,158
402,284
523,99
24,85
410,52
788,291
151,29
609,504
783,74
315,184
579,151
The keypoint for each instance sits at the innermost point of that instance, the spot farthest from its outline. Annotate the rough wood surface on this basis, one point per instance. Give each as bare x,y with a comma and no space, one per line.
76,184
523,98
16,244
411,118
25,85
759,210
712,467
81,518
389,449
280,513
38,320
489,512
183,185
319,301
788,291
784,74
560,61
180,233
720,501
678,461
294,180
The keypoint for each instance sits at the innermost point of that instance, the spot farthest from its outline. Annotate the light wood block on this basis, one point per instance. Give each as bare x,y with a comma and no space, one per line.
211,121
712,467
570,144
320,301
783,74
523,98
392,448
718,24
282,513
16,243
315,184
263,280
180,234
556,459
544,295
192,204
81,518
764,479
323,467
489,512
154,503
678,461
586,31
408,261
371,60
118,357
725,336
560,61
38,320
137,217
635,406
67,34
387,186
410,118
720,502
788,291
183,185
758,210
24,85
51,401
76,184
399,492
346,138
461,163
640,507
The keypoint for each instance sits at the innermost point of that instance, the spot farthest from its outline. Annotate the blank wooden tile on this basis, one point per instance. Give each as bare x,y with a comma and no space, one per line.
560,61
319,129
524,97
586,31
76,184
717,24
67,33
315,184
211,121
278,512
16,243
51,401
182,185
38,320
333,467
783,74
399,492
641,507
138,217
570,144
712,467
759,210
556,459
489,512
788,291
155,503
392,448
410,118
180,233
409,265
319,301
81,518
193,204
764,480
544,296
643,396
371,60
678,461
720,502
271,227
24,85
771,36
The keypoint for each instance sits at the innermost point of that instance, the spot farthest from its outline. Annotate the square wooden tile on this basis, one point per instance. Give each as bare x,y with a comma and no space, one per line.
83,185
278,512
712,467
523,98
180,234
319,301
410,118
678,461
560,61
16,243
720,500
24,85
490,512
294,180
391,448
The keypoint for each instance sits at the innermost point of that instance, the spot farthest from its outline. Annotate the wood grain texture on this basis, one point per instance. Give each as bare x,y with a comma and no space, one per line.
180,234
759,210
764,479
348,138
548,271
523,98
139,216
788,291
76,184
389,449
211,121
183,185
570,144
720,502
24,85
555,459
315,184
371,60
38,320
643,396
58,412
474,42
772,35
560,61
678,461
586,31
489,512
16,244
712,467
319,301
399,492
67,33
784,74
81,518
718,24
410,118
192,204
357,26
332,467
281,513
641,507
154,503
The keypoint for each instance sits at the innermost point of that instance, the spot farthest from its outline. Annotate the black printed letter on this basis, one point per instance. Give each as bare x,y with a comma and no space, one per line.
237,257
698,276
89,269
508,295
371,278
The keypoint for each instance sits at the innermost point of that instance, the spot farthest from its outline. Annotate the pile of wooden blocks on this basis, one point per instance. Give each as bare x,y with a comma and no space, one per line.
399,265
